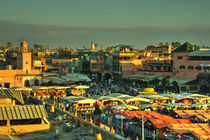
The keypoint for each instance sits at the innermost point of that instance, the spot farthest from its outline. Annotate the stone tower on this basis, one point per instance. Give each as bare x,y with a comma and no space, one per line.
92,46
24,58
24,46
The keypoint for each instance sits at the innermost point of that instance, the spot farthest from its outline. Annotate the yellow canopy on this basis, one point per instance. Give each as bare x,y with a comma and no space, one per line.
149,90
137,99
151,93
79,86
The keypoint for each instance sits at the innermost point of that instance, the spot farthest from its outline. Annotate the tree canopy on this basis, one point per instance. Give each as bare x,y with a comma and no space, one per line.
9,44
38,47
176,44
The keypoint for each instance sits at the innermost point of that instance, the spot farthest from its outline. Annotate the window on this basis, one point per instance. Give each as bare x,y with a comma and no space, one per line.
169,69
94,58
182,67
179,57
94,66
3,122
206,68
158,68
198,68
190,67
152,68
26,62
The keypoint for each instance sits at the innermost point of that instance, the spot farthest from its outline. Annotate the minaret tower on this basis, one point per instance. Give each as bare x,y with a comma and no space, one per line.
92,46
24,58
24,46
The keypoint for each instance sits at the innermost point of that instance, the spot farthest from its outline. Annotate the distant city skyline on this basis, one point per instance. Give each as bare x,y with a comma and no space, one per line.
107,23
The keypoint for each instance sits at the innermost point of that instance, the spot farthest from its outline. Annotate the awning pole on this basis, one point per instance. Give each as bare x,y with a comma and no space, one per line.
121,126
142,127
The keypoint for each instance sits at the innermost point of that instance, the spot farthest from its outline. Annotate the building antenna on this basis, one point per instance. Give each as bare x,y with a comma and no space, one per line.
19,40
200,44
75,45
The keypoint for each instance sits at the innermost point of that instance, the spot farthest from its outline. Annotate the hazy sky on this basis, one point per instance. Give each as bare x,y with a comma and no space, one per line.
106,22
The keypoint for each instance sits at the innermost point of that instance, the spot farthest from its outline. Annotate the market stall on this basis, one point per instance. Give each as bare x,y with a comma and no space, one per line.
78,90
157,99
110,101
201,106
175,106
53,91
131,100
124,107
82,106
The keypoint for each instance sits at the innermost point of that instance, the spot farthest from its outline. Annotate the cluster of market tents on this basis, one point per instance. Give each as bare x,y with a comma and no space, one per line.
68,78
120,101
47,91
103,102
147,99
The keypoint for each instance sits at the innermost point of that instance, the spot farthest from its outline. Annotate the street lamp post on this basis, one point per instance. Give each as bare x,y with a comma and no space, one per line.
142,127
154,135
121,126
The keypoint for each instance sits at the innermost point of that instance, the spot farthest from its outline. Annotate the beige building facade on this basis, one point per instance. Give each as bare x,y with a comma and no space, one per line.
25,75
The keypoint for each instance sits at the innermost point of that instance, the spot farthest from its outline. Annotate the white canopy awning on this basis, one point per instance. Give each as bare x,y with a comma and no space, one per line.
22,88
76,77
87,100
56,80
118,107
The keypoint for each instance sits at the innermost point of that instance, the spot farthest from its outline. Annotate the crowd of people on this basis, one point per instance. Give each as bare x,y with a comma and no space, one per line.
109,87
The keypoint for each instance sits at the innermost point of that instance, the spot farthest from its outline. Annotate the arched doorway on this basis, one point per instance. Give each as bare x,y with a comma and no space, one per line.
26,83
36,82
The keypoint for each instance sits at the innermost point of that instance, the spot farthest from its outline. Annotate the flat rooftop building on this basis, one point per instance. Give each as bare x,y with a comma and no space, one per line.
23,119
